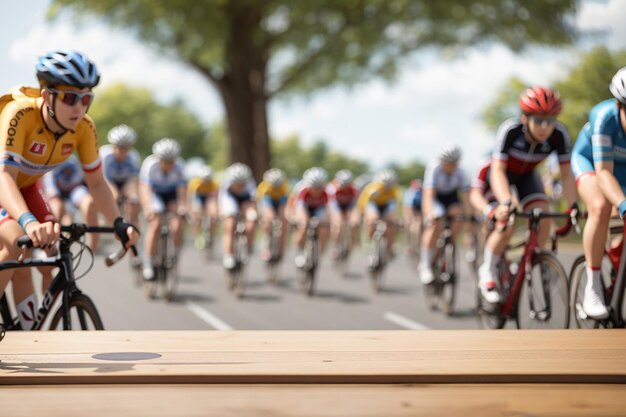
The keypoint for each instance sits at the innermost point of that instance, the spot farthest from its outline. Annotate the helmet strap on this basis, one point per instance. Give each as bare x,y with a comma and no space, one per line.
52,114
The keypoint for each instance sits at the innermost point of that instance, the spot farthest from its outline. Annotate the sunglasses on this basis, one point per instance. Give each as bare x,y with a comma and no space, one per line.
543,121
71,97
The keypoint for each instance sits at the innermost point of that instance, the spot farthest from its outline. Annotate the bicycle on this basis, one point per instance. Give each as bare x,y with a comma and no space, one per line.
75,305
442,291
235,277
135,263
379,256
275,250
166,275
342,257
535,289
613,286
311,253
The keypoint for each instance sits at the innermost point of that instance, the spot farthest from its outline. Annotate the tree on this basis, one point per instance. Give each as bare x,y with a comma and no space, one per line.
586,84
137,108
408,172
254,50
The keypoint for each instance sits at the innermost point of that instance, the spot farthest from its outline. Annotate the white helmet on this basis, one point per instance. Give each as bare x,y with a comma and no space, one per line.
238,173
315,177
123,136
274,176
344,177
166,149
206,173
450,154
387,177
618,85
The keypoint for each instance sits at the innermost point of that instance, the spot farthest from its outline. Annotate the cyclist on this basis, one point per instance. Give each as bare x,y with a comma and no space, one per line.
311,200
521,145
445,192
599,163
121,164
272,193
412,212
481,197
237,196
163,189
378,201
66,184
202,189
39,129
342,196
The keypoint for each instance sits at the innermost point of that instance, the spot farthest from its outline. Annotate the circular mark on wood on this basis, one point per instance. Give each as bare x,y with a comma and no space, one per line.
126,356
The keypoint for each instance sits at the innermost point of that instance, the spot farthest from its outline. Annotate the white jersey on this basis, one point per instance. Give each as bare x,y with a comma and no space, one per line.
443,184
118,172
159,181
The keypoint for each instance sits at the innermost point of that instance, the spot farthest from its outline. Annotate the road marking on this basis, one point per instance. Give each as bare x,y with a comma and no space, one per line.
208,317
403,321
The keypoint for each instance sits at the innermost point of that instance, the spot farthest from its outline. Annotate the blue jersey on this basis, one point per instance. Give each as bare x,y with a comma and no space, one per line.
602,139
413,198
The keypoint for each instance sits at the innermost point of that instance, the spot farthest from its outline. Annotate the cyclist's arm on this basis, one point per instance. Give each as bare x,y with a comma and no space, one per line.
101,192
608,183
477,200
428,199
499,182
145,196
181,193
569,184
11,198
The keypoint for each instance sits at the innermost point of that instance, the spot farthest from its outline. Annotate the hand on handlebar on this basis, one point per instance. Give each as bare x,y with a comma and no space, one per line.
43,235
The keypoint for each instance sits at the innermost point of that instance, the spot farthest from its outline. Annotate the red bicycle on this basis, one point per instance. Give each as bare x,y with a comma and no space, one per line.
535,288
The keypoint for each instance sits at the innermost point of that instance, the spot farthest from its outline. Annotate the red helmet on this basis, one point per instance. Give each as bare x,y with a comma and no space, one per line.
540,100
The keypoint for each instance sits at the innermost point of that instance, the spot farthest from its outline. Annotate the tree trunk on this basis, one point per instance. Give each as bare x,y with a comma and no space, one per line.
243,91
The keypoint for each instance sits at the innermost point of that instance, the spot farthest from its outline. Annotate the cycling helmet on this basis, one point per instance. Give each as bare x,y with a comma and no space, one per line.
618,85
344,178
123,136
238,173
450,154
206,173
540,100
166,149
315,177
274,176
67,68
387,177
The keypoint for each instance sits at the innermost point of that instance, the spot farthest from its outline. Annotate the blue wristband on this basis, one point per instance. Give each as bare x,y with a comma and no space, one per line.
26,218
622,208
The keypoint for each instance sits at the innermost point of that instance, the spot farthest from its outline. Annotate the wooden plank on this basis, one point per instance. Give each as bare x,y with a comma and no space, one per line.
593,356
538,400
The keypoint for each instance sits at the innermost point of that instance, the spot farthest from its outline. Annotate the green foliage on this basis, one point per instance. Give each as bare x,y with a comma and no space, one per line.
289,155
586,84
408,171
137,108
305,45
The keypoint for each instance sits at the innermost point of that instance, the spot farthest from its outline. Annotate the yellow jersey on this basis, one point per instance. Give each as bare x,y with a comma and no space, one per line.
274,193
377,194
200,187
27,144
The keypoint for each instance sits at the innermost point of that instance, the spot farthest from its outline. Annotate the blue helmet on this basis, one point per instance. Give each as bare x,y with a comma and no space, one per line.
67,68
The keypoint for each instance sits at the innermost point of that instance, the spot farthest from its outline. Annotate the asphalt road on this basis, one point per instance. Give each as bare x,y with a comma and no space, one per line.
339,303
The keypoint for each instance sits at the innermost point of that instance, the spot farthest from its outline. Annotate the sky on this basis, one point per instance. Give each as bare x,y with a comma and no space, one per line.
434,102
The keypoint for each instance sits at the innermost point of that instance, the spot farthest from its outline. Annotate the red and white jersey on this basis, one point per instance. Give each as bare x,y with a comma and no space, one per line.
310,200
345,196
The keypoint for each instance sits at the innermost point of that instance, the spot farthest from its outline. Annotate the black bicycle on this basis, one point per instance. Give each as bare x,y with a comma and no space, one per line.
166,276
311,254
378,256
76,307
235,276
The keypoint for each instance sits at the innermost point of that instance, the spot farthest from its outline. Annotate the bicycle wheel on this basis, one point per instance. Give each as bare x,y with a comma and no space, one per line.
432,291
578,282
543,302
306,275
170,276
82,311
380,260
241,257
448,279
490,315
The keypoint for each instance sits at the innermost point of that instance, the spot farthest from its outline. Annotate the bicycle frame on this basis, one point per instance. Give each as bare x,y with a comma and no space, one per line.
616,318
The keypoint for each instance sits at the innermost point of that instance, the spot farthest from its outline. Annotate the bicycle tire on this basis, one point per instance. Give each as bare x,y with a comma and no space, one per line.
448,286
237,275
306,275
377,273
578,281
432,291
548,291
81,308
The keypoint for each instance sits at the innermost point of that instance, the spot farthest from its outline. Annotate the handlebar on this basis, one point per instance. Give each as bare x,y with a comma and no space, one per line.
74,232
